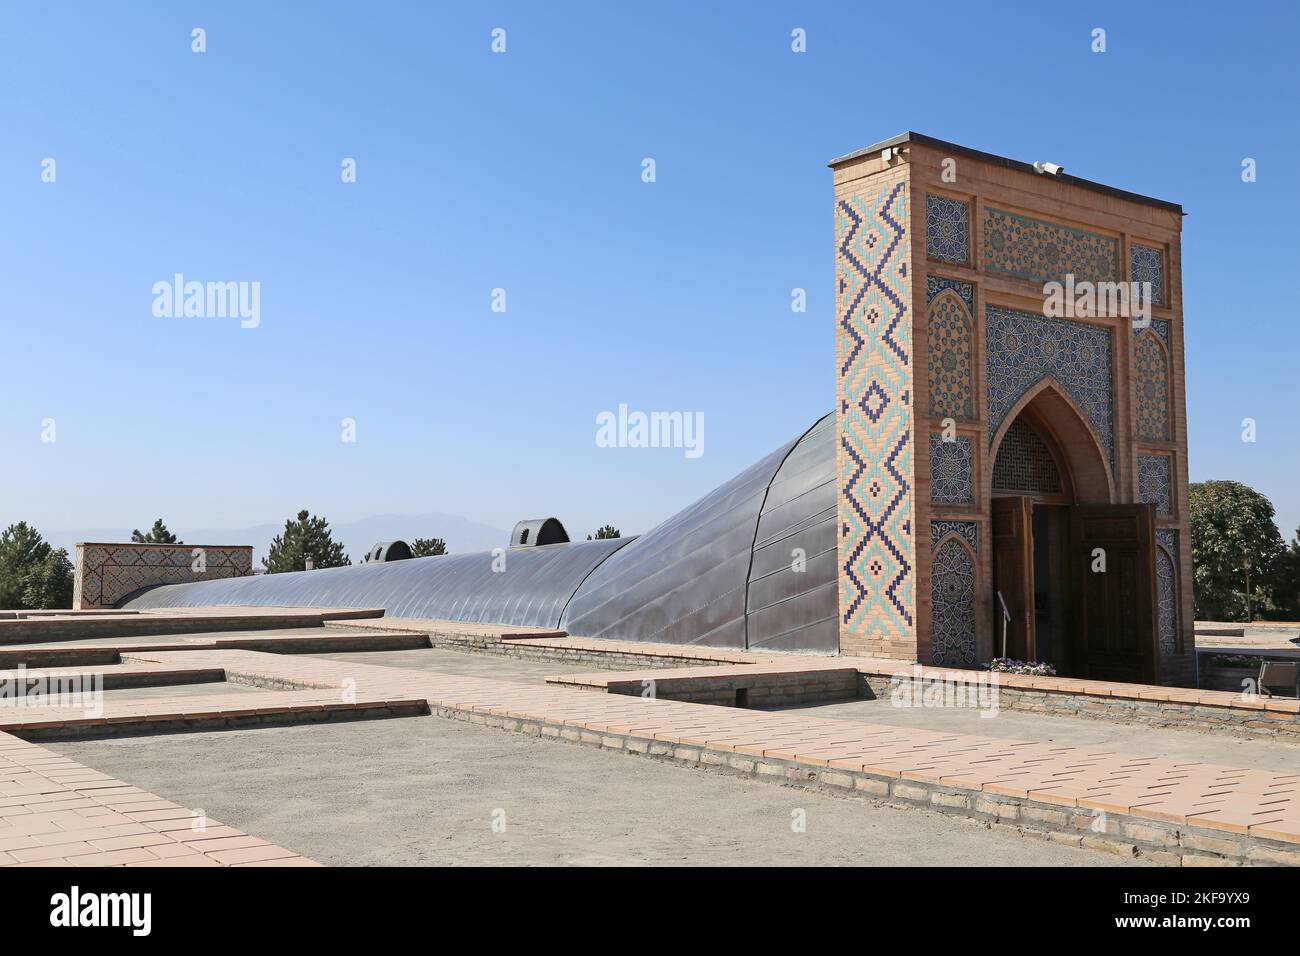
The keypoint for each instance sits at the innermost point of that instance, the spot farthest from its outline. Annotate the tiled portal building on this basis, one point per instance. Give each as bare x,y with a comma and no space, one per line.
985,452
994,452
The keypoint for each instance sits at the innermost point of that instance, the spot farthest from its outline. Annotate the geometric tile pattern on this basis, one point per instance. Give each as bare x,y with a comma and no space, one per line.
106,573
967,530
952,586
1046,251
951,347
1025,463
964,290
1161,328
1024,348
1154,487
1147,264
952,469
947,229
1152,388
1167,603
873,404
1168,538
1167,590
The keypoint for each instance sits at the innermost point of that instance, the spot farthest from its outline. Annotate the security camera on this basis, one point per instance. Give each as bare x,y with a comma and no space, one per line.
1051,169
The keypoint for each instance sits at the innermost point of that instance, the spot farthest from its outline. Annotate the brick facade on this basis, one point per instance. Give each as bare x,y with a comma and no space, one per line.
107,573
941,259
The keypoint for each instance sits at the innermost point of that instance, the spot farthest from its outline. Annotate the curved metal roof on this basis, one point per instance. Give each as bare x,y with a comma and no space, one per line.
531,591
682,582
793,603
721,571
751,564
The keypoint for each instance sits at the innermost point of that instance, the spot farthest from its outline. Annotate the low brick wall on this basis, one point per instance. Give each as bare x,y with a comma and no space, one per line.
107,573
524,650
226,720
80,627
745,686
1240,721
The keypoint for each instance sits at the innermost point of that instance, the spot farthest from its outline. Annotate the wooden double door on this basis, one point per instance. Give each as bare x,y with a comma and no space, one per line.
1078,587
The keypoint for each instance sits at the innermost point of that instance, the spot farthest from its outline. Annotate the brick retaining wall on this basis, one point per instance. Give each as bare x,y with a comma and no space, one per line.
1236,721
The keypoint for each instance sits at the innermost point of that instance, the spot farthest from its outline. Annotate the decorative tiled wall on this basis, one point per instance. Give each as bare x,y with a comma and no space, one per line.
1167,590
1046,251
967,530
1154,484
1025,464
1024,348
947,229
1147,264
1160,327
107,573
952,470
874,392
1152,388
951,338
952,592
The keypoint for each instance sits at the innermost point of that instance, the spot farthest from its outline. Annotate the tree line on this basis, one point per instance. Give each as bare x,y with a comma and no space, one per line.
34,575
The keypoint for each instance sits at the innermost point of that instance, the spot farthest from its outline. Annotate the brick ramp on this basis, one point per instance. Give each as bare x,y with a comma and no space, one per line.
1175,811
113,650
57,812
741,685
78,626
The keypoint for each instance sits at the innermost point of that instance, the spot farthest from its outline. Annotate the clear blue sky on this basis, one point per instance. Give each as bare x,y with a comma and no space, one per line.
522,171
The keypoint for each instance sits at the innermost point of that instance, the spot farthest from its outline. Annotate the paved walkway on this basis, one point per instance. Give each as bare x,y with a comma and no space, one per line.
1212,797
965,770
57,812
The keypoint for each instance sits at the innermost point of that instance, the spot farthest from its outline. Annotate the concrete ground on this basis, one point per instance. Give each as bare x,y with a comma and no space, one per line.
426,791
1072,731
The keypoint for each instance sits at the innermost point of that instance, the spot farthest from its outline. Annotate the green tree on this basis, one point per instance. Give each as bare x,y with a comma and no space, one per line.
1286,594
158,534
606,531
33,575
303,538
428,547
1233,537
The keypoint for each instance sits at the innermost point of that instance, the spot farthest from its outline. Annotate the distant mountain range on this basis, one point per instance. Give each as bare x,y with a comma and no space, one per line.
461,534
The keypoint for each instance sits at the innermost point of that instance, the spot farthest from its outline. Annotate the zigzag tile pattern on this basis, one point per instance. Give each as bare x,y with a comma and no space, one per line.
874,408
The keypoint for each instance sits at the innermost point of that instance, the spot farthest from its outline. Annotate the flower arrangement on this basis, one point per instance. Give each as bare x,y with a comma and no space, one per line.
1008,665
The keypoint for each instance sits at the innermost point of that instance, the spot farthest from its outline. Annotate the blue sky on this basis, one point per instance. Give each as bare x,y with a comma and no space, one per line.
522,171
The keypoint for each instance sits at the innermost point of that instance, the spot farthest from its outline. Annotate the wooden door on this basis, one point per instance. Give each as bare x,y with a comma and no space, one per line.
1114,597
1013,576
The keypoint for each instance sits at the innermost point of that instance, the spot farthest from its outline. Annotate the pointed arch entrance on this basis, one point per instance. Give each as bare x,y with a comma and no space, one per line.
1073,570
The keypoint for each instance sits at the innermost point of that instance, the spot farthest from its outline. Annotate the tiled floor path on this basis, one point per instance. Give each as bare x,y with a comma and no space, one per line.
55,812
